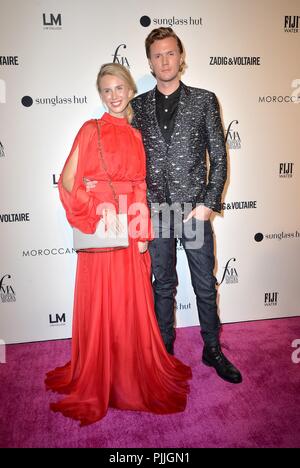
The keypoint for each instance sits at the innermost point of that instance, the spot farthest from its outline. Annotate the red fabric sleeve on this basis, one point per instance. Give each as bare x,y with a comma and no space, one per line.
80,205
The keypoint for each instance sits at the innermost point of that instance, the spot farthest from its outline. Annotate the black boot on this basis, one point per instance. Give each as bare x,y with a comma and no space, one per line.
212,356
170,348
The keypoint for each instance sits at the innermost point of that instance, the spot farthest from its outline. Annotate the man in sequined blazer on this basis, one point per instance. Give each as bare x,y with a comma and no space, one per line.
179,124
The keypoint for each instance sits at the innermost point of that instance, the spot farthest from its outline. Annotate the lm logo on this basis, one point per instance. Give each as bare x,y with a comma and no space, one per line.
53,21
58,319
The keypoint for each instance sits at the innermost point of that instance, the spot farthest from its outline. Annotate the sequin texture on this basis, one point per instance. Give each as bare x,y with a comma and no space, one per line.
182,162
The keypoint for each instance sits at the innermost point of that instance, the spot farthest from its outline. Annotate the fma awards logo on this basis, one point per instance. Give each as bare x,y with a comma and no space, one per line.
271,298
291,24
7,292
232,137
51,21
146,21
120,57
230,274
286,169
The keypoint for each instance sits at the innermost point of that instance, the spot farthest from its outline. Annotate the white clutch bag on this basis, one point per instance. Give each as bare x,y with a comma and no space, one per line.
103,239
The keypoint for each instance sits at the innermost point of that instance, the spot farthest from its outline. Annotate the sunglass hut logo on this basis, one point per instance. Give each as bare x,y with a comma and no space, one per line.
146,21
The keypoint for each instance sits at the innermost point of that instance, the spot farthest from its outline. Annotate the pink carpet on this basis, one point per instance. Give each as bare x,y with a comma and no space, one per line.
263,411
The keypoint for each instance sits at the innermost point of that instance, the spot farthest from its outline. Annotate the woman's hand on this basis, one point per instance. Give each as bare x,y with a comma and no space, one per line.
89,184
143,246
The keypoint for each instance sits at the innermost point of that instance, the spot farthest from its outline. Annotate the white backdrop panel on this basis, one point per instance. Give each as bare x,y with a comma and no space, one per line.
51,54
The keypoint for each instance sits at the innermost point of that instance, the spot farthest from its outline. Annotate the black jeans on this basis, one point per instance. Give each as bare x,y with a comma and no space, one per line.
201,263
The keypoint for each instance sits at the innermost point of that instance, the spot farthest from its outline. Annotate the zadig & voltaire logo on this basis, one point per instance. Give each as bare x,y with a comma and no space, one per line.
14,217
235,61
9,60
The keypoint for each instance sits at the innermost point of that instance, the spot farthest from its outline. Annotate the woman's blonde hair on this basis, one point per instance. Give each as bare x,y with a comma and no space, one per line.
115,69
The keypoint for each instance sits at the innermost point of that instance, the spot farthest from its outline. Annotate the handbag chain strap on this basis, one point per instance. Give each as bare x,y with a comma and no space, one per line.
104,164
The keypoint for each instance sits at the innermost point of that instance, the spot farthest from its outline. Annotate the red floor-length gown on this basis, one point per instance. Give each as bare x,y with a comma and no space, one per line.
118,357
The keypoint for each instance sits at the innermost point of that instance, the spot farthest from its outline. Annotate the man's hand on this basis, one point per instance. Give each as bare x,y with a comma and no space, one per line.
201,212
143,246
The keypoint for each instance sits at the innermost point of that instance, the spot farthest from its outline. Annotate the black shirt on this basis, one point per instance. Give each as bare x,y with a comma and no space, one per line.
166,110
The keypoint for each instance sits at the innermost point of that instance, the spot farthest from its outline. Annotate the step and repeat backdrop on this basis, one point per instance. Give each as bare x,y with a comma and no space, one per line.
50,54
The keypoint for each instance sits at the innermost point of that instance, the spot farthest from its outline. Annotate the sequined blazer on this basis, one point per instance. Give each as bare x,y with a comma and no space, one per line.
182,162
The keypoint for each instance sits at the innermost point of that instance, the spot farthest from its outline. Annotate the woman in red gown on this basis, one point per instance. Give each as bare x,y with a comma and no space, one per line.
118,357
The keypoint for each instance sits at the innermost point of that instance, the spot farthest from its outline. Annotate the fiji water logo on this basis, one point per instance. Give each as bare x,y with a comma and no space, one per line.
271,299
291,24
286,170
